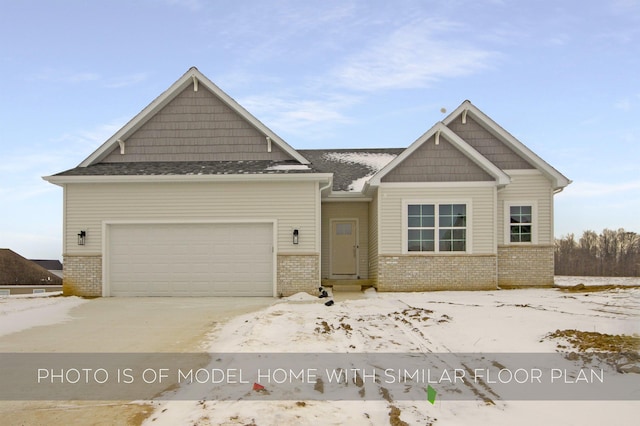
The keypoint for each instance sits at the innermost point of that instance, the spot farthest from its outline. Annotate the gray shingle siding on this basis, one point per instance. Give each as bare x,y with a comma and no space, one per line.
437,163
196,126
488,145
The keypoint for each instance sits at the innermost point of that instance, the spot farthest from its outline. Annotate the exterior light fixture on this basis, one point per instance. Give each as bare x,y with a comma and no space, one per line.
82,236
296,233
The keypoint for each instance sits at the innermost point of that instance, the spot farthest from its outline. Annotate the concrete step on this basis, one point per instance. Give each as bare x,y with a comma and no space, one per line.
341,288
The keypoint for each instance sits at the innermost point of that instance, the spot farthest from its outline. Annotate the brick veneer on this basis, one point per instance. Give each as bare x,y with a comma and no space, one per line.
525,266
298,273
82,275
444,272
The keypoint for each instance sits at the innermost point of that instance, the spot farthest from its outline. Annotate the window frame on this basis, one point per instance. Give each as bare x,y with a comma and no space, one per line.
436,228
507,222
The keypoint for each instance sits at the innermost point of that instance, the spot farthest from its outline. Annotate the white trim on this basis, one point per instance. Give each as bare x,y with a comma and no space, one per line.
559,180
524,172
474,184
60,180
436,202
535,221
357,238
501,178
167,96
106,240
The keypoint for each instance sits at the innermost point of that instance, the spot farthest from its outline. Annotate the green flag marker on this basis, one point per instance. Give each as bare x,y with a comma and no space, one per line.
431,395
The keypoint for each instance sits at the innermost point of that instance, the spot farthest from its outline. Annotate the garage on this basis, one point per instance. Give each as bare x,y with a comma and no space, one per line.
190,259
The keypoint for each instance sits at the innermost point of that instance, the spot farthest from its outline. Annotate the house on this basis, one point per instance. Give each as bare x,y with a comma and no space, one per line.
196,197
21,276
52,265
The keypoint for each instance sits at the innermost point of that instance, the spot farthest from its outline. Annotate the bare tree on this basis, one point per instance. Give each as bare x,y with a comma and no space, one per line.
612,253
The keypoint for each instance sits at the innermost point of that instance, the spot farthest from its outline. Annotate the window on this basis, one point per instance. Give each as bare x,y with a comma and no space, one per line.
5,292
520,224
436,227
39,290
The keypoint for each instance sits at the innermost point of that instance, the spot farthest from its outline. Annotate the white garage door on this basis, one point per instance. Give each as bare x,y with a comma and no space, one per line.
190,259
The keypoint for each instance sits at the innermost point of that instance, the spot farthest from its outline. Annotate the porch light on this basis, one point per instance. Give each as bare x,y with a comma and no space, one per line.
296,233
82,235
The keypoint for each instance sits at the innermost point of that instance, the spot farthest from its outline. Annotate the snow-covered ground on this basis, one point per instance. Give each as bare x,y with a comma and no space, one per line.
21,312
442,322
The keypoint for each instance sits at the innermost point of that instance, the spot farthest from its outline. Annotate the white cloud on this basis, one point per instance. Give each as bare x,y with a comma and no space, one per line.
415,55
126,80
296,114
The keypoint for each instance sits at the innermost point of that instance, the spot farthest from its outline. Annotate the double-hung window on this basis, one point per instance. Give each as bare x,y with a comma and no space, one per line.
436,227
520,224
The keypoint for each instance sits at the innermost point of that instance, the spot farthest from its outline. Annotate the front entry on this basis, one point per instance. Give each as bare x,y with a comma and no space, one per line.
344,249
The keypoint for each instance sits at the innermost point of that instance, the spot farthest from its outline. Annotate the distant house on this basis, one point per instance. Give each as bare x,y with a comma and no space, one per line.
196,197
54,266
22,276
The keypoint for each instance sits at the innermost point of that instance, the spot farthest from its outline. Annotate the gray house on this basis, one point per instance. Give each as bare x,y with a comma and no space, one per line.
196,197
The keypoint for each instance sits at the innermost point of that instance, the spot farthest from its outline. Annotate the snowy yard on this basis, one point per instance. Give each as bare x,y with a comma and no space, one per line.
450,323
491,322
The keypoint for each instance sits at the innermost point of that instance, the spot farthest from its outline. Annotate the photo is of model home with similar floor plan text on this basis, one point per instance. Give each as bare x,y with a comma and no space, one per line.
196,197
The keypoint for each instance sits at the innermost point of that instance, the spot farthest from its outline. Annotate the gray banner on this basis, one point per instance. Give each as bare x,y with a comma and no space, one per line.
321,376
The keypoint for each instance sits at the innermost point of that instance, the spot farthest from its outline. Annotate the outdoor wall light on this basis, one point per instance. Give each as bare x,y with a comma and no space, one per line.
82,236
296,233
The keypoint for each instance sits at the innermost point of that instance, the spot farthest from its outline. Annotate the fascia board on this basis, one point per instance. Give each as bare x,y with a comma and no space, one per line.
308,177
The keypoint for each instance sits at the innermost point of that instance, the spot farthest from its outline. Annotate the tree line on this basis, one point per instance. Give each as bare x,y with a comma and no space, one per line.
612,253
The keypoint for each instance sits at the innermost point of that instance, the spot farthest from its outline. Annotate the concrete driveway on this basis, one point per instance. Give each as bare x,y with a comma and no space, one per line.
121,325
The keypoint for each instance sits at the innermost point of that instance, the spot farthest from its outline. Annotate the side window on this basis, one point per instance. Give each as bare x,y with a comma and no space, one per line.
520,224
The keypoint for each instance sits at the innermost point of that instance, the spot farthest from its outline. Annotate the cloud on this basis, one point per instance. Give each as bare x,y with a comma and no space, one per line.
127,80
57,76
298,115
65,76
413,56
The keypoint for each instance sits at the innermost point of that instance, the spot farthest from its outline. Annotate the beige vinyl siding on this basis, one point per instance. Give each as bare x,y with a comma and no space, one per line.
481,214
196,126
528,186
373,239
292,204
345,210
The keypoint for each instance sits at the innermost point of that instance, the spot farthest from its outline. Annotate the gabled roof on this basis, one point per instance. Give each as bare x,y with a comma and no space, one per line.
16,270
439,130
467,108
191,77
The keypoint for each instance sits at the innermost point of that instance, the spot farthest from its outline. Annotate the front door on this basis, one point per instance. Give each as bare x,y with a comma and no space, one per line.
344,248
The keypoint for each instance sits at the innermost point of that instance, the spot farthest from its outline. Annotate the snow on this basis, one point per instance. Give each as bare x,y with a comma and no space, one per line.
19,313
289,167
498,321
374,161
565,281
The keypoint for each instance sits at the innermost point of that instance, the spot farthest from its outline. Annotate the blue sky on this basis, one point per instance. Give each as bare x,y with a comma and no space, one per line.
561,76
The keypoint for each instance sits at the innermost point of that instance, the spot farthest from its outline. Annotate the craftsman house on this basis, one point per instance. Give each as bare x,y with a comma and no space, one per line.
196,197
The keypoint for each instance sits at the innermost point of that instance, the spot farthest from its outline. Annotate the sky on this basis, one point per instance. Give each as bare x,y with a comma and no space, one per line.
561,76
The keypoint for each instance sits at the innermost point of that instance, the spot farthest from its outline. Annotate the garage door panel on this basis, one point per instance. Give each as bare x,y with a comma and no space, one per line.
191,260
